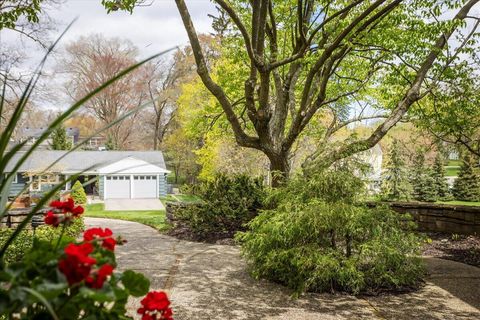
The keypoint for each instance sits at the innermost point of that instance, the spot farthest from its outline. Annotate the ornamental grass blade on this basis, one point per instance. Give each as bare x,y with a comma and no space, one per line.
7,156
7,133
43,300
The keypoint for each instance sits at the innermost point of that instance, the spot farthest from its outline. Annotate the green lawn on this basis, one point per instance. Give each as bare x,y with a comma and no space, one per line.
461,203
180,198
454,163
451,171
155,219
452,168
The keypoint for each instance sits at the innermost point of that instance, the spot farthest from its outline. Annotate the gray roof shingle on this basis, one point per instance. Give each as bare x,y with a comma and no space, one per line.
80,160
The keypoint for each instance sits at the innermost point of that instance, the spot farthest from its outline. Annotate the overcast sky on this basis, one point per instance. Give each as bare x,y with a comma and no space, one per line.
152,29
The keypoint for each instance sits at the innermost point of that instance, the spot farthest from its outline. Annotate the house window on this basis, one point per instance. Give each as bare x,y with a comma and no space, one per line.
35,184
15,179
37,181
49,179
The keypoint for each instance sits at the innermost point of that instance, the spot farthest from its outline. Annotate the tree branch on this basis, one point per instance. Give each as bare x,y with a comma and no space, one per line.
202,70
411,96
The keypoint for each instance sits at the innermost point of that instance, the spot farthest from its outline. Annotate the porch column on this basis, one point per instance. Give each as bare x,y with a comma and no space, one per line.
68,185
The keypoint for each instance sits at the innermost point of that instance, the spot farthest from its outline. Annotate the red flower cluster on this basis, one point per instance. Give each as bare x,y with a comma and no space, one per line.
63,211
100,234
96,281
156,306
67,206
78,264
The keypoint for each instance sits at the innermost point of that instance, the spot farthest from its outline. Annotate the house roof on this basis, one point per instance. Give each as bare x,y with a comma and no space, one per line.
130,165
37,132
78,161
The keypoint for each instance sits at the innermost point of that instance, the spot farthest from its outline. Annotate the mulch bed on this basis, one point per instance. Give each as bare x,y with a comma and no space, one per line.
461,248
184,233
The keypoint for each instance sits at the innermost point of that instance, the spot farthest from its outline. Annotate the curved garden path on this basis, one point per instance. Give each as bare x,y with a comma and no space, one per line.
210,282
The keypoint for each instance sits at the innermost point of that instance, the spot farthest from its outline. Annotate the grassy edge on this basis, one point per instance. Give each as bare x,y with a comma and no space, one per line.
154,219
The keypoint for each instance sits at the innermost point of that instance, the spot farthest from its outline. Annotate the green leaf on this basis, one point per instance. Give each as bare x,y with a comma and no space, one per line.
43,300
50,289
103,295
136,283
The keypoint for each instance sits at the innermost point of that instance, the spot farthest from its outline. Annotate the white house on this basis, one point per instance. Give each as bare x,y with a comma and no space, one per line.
108,174
374,158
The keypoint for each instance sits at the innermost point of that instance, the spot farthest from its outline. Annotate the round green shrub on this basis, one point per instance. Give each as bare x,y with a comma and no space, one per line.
78,193
324,243
228,203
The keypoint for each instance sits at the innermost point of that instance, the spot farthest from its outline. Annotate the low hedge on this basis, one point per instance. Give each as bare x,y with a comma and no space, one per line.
24,241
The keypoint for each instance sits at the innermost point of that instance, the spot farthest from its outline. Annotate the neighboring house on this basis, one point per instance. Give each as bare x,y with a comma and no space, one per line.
113,174
32,135
94,143
374,158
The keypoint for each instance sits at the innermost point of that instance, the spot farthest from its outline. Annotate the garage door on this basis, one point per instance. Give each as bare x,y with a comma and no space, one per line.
145,186
117,187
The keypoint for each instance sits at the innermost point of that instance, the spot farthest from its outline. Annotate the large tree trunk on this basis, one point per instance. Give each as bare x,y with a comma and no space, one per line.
279,169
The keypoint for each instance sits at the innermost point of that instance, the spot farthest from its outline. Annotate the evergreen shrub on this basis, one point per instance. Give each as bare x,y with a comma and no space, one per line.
78,193
467,185
318,237
229,202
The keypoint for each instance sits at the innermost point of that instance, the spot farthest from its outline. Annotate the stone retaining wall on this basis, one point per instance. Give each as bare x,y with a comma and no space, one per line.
15,216
441,217
429,216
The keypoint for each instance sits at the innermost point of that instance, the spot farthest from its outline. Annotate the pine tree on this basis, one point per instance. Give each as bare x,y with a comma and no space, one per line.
60,140
110,144
395,184
422,180
78,193
467,184
438,175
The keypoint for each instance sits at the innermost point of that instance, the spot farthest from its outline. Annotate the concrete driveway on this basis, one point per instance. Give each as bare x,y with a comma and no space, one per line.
133,205
210,282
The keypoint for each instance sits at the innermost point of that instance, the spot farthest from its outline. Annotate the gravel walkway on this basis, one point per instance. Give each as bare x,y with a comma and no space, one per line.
210,282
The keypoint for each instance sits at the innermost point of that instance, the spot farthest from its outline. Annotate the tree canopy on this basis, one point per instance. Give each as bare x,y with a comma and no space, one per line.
291,63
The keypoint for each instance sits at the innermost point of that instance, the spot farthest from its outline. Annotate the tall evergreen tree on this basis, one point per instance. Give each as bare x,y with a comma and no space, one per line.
467,184
60,140
110,144
438,174
395,184
422,180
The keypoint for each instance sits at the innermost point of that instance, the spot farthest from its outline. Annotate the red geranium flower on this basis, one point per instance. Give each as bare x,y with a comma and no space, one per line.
109,244
99,233
51,218
97,281
77,264
65,206
155,306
